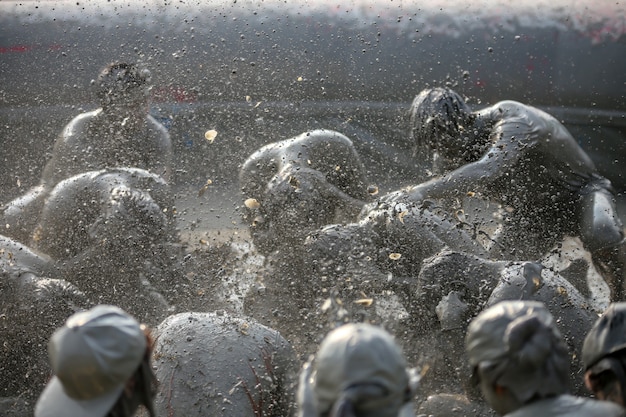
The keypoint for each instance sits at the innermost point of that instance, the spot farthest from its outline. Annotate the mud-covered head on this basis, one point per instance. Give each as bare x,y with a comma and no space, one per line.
515,345
123,85
131,215
359,370
441,126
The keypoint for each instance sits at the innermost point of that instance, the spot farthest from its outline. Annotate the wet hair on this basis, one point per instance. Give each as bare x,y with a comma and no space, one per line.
437,113
145,386
119,80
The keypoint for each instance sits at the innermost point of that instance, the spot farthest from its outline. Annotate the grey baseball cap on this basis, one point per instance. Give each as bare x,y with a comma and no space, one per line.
607,336
92,356
356,358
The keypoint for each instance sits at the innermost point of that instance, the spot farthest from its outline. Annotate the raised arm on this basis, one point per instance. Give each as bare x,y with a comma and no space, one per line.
510,142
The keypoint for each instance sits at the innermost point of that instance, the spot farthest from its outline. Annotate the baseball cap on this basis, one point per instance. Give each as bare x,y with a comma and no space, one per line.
92,356
359,357
607,336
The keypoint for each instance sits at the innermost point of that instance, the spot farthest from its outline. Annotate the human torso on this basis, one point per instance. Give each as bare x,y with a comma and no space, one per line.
91,141
551,165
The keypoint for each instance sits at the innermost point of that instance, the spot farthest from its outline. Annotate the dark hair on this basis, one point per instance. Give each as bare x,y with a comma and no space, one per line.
145,387
607,375
118,79
437,112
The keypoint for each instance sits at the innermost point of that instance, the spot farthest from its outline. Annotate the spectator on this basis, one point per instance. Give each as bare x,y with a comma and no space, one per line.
604,355
358,371
101,364
521,363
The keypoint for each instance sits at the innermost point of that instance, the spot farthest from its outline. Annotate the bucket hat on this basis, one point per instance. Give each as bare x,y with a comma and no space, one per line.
92,357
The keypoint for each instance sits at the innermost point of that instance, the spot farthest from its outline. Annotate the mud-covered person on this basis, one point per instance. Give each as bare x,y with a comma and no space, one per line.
521,364
604,355
101,364
358,371
529,162
120,133
112,233
297,185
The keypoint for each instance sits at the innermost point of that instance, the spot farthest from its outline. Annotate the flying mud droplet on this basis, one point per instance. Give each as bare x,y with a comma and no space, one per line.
460,215
326,305
372,190
204,188
243,328
210,135
395,256
471,193
364,302
338,168
248,99
252,203
300,79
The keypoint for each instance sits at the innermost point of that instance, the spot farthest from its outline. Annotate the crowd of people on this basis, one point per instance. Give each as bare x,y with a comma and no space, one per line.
105,195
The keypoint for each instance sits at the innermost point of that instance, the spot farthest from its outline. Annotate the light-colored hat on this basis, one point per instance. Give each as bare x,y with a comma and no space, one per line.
607,336
516,344
363,363
92,357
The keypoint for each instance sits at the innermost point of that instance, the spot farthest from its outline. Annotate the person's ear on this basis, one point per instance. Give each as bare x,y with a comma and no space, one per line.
500,390
129,388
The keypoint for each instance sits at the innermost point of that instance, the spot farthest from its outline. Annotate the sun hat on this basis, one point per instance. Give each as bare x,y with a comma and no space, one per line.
362,363
92,357
607,336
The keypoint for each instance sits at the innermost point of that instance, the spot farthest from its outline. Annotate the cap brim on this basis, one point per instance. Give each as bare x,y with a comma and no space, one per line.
54,402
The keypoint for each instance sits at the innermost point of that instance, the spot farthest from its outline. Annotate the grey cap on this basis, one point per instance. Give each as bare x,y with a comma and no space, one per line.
92,357
356,358
516,344
607,336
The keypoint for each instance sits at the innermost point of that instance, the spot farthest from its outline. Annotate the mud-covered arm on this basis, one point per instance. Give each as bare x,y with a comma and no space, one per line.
509,144
161,159
68,156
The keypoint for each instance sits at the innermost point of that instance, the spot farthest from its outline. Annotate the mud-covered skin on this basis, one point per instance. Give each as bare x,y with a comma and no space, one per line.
299,184
92,141
523,158
215,364
120,133
112,234
526,160
32,307
474,284
95,140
